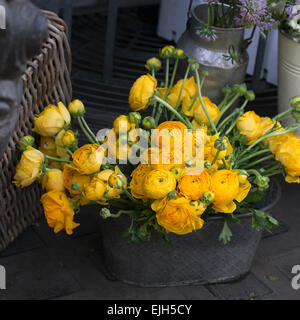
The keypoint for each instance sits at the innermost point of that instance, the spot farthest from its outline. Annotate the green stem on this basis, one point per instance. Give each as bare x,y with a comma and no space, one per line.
153,73
227,106
70,152
273,173
212,124
216,157
85,131
280,115
167,73
252,156
117,215
90,132
154,110
130,196
160,108
227,96
177,114
56,159
273,134
258,161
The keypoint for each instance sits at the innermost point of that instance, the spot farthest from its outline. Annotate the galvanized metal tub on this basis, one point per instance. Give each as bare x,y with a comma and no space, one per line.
213,55
197,258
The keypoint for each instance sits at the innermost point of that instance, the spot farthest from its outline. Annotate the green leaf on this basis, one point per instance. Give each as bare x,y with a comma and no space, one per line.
226,233
233,218
256,222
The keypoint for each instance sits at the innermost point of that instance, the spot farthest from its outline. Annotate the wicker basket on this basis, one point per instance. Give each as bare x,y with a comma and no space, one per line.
46,81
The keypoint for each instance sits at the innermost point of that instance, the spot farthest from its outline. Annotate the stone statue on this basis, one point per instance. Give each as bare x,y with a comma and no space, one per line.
25,29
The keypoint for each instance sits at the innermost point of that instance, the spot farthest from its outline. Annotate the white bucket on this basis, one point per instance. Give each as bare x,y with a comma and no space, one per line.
288,72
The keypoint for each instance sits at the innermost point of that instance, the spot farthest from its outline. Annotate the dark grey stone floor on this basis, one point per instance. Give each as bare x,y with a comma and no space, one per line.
41,265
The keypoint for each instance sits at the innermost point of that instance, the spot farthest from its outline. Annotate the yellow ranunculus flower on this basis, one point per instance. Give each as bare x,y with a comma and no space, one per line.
249,125
48,146
193,186
51,120
53,180
117,180
29,167
94,190
58,211
189,90
124,122
70,176
177,215
141,92
61,149
68,138
169,132
288,153
225,185
153,64
200,115
136,183
76,108
88,158
158,183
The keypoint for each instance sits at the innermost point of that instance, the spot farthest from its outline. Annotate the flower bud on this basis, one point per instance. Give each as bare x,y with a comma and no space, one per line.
296,114
149,123
105,213
250,95
68,138
295,103
195,66
76,108
135,118
179,54
121,124
207,164
205,73
27,141
220,144
262,182
226,90
117,180
172,195
177,172
153,64
242,89
242,176
167,52
208,197
76,186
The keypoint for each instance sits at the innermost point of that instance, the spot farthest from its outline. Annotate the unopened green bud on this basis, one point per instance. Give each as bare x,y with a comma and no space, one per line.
295,103
207,165
250,95
242,89
296,114
75,187
172,195
105,213
262,182
149,123
195,66
226,90
208,197
177,172
220,144
27,141
135,118
205,72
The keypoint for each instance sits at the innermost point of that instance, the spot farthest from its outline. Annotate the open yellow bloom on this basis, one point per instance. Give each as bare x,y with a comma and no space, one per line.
193,186
88,158
158,183
70,176
51,120
29,167
58,211
53,180
94,190
141,92
288,153
177,215
136,183
200,115
189,90
225,185
249,125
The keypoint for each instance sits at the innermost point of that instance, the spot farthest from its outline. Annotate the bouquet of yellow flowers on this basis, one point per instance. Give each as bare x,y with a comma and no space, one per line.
170,170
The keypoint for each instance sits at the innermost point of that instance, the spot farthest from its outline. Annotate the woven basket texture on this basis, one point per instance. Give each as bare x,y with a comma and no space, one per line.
45,81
